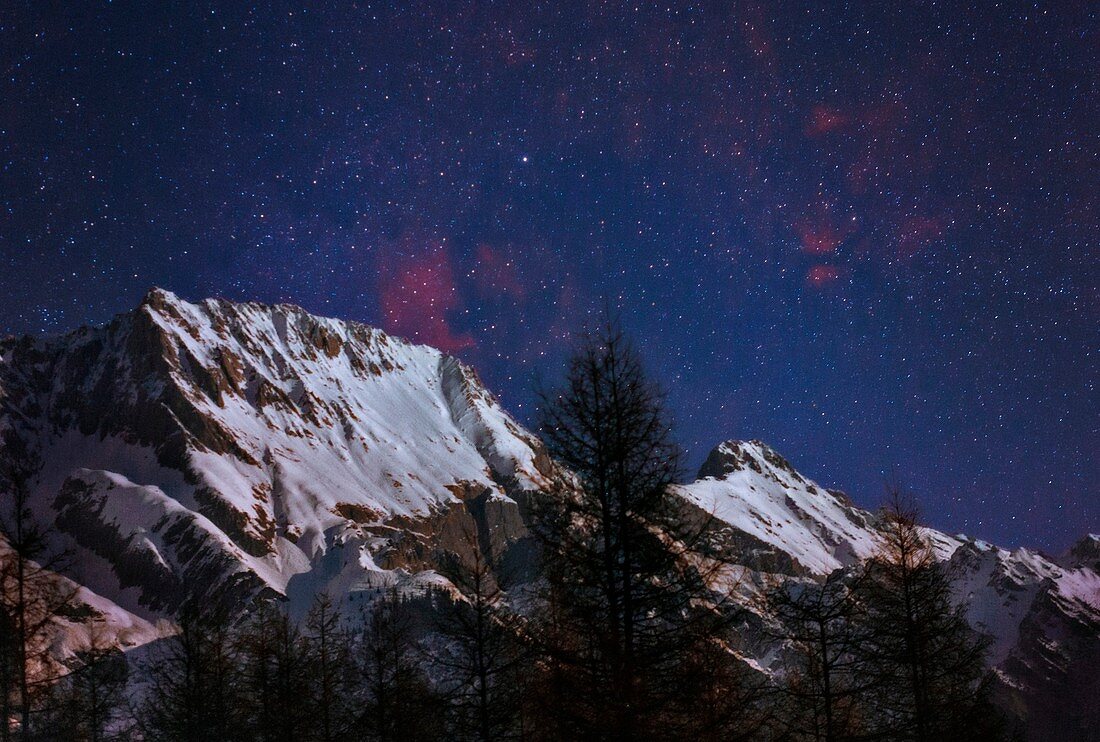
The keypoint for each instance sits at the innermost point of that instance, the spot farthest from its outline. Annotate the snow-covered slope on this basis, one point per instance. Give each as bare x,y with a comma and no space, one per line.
1042,614
91,621
219,450
229,453
750,487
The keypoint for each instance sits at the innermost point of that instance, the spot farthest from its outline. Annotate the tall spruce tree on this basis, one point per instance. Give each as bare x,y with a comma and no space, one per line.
926,664
628,608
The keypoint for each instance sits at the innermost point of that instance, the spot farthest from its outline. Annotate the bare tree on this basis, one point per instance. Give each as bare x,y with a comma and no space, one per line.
9,662
397,700
191,691
90,702
331,669
274,677
32,593
825,686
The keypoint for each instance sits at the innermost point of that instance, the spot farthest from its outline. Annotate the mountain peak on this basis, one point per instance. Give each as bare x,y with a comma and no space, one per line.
161,301
157,295
256,438
1084,553
734,456
237,452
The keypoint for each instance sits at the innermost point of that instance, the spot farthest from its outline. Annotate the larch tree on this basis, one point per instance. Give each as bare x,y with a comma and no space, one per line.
331,669
32,594
191,687
926,663
825,687
90,702
628,600
479,654
397,701
274,677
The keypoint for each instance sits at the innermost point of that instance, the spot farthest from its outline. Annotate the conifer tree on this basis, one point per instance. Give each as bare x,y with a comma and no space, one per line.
32,593
331,670
192,684
397,702
274,677
90,702
9,661
628,604
479,655
825,686
926,664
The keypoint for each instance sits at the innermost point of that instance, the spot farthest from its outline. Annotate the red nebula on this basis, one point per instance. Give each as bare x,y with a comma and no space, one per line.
818,239
417,293
825,120
819,233
822,275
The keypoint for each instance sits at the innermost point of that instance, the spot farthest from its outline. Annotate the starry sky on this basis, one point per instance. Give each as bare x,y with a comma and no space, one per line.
865,233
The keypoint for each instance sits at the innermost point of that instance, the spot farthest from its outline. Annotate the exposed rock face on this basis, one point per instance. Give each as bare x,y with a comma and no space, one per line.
220,451
1085,553
230,453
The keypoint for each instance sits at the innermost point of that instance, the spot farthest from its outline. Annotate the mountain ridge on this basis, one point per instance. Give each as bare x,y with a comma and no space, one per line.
237,453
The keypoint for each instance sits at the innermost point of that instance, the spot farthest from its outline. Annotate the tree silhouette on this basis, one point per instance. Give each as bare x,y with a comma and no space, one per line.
628,599
331,670
192,690
479,656
32,593
926,664
90,702
825,685
274,677
398,702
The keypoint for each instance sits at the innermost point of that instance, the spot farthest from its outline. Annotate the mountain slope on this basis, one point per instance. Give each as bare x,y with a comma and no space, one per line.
221,450
1042,614
228,453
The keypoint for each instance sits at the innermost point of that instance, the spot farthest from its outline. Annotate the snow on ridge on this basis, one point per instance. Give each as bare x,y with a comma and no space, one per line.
750,487
316,433
388,419
267,434
758,492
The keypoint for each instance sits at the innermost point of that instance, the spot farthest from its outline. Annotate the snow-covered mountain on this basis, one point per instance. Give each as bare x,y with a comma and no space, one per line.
224,452
229,453
1042,614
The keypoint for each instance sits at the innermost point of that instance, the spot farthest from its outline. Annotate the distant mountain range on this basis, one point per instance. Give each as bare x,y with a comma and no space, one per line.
234,453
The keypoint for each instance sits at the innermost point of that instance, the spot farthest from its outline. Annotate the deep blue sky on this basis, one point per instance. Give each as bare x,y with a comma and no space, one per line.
865,233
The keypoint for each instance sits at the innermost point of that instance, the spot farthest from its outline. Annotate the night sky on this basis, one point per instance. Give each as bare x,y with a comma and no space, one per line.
865,233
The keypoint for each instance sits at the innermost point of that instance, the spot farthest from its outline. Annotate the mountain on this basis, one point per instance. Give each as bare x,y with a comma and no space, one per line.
1042,614
230,453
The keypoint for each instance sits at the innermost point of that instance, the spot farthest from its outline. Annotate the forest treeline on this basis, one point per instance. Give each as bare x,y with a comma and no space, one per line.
628,632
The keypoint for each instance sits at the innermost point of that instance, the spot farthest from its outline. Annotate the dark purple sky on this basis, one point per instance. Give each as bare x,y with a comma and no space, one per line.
865,233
